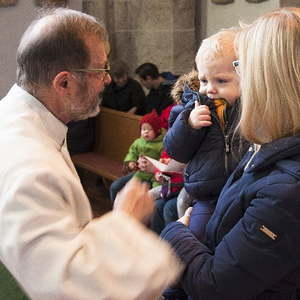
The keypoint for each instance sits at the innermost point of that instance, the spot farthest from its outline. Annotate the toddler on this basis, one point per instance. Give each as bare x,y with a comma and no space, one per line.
203,124
149,144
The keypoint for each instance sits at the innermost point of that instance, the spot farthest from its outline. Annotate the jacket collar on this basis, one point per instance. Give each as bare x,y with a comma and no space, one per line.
282,149
53,126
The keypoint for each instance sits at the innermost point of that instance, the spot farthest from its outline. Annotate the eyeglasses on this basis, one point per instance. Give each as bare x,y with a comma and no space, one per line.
106,69
236,64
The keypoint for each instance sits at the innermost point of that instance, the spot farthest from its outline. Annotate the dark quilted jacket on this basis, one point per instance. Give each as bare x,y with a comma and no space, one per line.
253,246
211,154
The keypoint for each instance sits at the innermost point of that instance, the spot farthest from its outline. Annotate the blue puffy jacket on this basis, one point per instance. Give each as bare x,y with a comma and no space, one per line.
253,245
211,154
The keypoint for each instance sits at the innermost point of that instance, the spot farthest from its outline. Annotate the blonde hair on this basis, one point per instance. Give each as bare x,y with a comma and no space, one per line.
269,54
220,44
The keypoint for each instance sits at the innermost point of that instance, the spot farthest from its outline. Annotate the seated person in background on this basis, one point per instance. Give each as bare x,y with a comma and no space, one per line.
169,76
123,93
159,97
150,143
81,135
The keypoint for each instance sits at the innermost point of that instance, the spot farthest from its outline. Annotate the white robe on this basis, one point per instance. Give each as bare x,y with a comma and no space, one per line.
48,239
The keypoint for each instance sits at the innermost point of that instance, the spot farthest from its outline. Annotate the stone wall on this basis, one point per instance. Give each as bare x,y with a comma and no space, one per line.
162,32
166,32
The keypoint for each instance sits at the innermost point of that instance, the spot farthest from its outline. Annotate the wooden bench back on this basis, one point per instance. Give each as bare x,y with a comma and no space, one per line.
115,132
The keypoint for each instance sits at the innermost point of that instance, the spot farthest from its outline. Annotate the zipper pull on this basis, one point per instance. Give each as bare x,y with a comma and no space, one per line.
227,146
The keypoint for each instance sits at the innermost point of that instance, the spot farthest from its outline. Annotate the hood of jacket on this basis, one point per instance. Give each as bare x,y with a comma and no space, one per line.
190,79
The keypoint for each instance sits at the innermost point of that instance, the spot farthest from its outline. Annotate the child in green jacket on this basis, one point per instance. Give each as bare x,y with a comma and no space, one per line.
150,143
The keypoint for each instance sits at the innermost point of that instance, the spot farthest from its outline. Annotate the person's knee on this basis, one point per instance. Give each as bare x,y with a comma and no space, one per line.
170,211
117,185
157,221
113,190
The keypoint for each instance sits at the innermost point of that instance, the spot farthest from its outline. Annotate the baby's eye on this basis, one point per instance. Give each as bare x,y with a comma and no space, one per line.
204,81
222,80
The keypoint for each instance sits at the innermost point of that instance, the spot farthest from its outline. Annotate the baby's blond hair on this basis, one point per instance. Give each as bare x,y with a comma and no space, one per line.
220,44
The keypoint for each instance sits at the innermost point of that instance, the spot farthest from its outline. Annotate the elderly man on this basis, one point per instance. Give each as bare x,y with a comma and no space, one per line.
48,239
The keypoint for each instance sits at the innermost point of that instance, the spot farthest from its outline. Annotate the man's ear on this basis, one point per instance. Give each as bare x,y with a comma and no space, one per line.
61,82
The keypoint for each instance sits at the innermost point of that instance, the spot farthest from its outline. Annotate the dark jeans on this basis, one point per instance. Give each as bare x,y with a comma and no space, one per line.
117,185
165,212
201,213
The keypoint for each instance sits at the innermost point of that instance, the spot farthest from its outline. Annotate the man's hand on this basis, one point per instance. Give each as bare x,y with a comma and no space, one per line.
185,219
200,116
135,200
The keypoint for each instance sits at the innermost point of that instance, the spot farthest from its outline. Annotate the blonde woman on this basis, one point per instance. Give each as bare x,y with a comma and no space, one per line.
252,240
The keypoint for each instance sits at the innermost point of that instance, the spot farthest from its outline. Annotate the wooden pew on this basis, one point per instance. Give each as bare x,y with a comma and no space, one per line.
115,132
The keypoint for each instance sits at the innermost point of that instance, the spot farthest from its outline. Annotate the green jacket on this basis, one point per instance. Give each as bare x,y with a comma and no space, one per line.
142,147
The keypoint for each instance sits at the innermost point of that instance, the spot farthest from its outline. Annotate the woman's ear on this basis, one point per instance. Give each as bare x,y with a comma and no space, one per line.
61,82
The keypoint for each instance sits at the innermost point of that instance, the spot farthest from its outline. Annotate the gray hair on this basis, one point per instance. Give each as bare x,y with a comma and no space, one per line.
55,42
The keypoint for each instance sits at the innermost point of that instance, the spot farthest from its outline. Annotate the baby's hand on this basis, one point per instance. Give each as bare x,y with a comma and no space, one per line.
200,116
144,165
158,177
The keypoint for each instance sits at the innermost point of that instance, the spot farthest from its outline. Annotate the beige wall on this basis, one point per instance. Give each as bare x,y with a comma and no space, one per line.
13,22
221,16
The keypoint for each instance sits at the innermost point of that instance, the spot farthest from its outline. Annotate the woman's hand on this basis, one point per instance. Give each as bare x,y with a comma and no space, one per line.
185,219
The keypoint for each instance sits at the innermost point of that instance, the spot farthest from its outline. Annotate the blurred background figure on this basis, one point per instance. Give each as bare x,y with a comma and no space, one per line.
81,136
124,93
159,86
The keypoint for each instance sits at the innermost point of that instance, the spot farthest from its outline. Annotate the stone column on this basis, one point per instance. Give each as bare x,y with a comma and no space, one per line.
161,32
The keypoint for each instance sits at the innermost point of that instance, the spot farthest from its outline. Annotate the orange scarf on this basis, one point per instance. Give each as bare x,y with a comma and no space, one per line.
220,105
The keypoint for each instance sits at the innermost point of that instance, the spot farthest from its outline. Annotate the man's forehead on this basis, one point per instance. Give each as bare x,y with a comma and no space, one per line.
93,41
98,50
